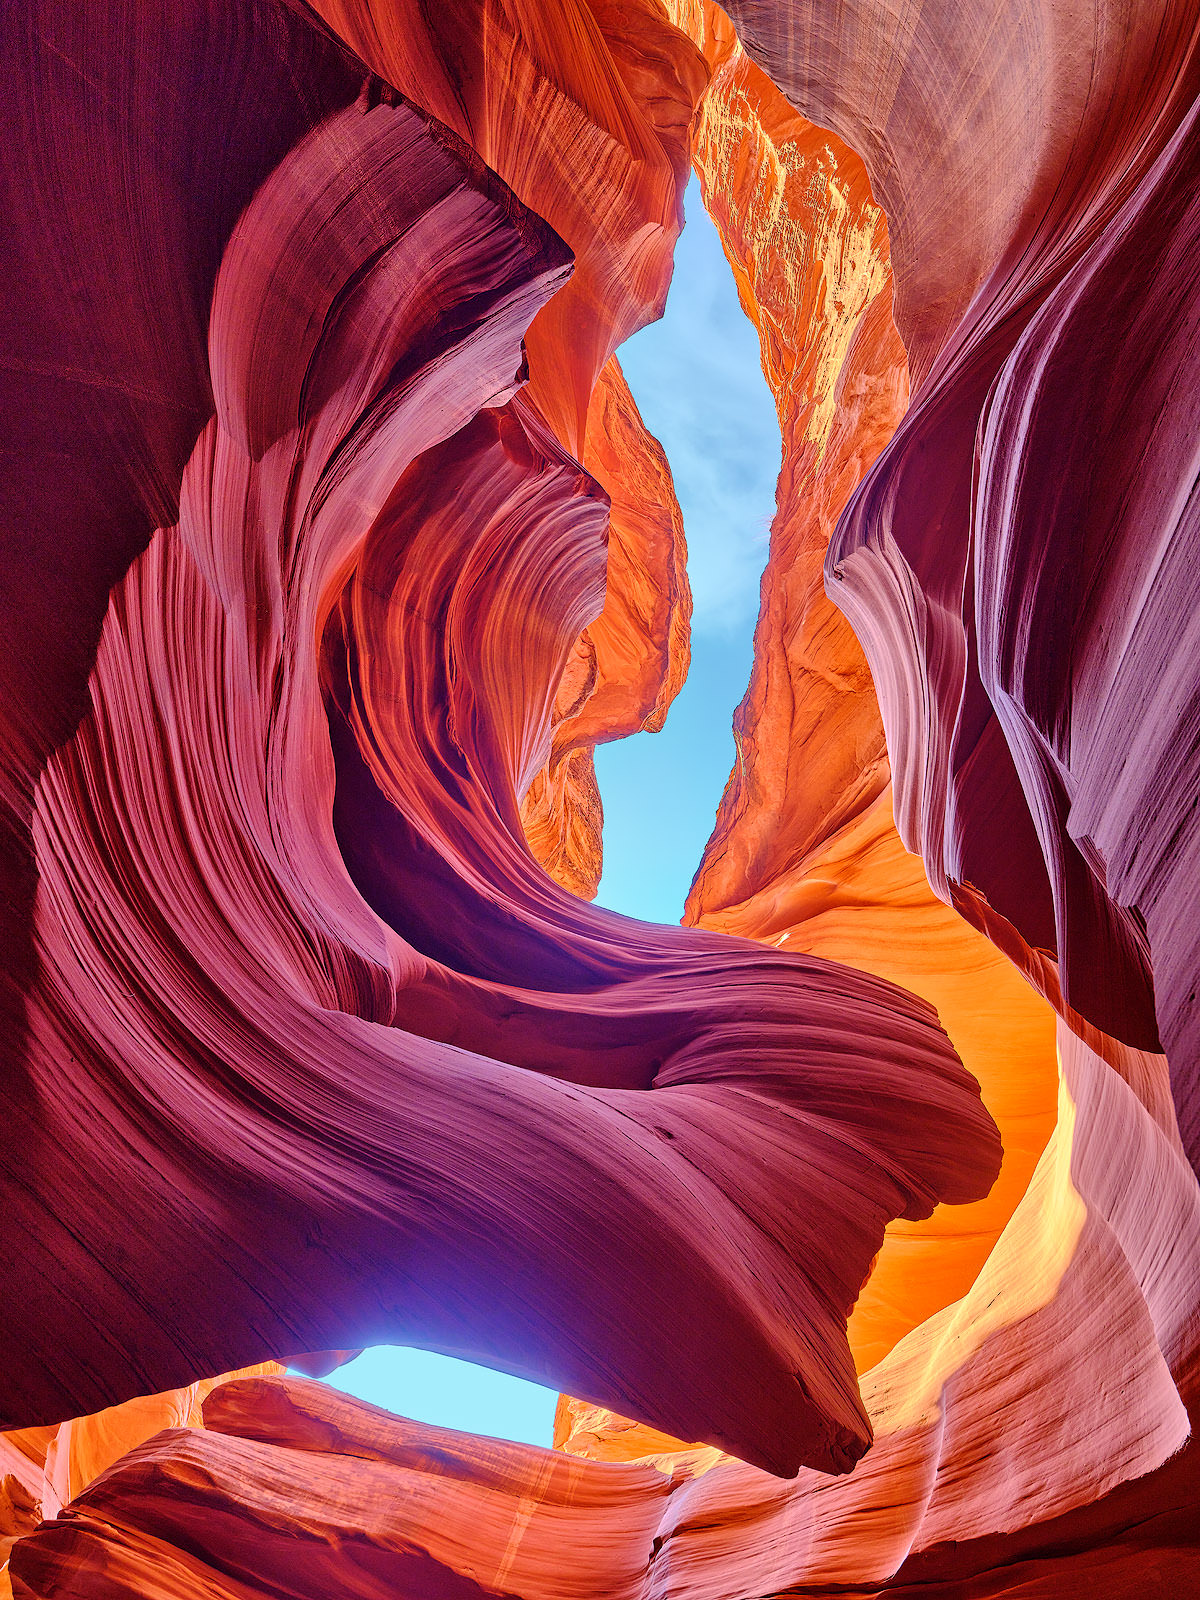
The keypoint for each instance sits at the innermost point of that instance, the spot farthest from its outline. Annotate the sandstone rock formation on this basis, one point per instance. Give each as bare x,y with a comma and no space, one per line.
805,855
627,666
304,1015
1007,614
335,543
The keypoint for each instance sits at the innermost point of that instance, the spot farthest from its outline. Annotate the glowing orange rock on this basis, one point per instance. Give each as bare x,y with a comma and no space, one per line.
298,1491
290,1490
305,1018
993,650
308,1049
585,110
804,854
1082,1282
628,665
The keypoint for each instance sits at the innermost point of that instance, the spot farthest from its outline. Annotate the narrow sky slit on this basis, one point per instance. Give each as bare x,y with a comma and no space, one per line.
698,382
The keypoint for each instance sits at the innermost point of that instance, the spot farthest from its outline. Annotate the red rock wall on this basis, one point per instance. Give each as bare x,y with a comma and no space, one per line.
306,1018
804,854
627,666
339,545
1000,576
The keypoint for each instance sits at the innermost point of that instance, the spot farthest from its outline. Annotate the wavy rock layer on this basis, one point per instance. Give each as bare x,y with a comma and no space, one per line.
1011,556
805,855
1071,1302
290,1490
627,666
305,1018
808,856
337,545
584,110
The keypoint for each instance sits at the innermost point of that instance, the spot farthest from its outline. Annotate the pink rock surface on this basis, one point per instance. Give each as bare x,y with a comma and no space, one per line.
1000,656
334,535
307,1021
291,1490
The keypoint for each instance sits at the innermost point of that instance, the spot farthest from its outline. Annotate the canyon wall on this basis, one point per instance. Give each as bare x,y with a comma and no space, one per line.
855,1216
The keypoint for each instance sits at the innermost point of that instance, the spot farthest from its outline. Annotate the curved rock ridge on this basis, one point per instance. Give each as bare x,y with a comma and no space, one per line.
337,544
584,110
1006,615
1068,1303
45,1468
105,383
292,1490
627,666
804,855
316,1054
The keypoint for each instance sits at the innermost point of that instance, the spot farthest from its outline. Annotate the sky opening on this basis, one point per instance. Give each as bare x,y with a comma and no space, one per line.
697,378
698,382
449,1393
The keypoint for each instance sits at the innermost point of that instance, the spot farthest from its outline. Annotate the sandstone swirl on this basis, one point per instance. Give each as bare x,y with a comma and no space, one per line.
1005,585
335,543
314,1052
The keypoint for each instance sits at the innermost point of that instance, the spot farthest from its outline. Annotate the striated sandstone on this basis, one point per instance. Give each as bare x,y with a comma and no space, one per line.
995,771
306,1019
337,544
290,1490
804,854
1068,1303
584,109
627,666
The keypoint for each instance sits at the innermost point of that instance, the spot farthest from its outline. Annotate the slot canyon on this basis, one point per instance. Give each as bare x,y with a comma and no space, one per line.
855,1219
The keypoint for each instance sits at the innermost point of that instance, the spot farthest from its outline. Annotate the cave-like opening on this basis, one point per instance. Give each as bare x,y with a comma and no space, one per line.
697,379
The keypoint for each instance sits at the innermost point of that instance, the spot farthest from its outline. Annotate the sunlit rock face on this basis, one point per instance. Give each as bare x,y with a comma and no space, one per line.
1082,1258
303,1016
805,854
337,543
1010,565
627,666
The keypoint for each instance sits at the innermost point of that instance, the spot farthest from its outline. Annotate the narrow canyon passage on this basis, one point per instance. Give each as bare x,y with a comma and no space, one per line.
697,380
828,1161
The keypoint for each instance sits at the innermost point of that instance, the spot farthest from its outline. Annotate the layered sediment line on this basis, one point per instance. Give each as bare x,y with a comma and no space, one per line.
336,545
994,761
306,1018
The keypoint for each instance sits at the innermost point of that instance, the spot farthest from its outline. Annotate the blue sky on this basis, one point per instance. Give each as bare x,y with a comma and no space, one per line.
449,1393
698,383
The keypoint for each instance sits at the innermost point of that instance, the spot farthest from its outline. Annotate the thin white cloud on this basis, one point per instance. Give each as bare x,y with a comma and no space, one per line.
697,379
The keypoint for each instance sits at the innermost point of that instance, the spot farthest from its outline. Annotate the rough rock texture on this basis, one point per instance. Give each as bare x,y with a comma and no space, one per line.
303,1016
50,1465
1012,562
584,110
1088,1294
1058,1375
336,543
805,855
292,1490
627,666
